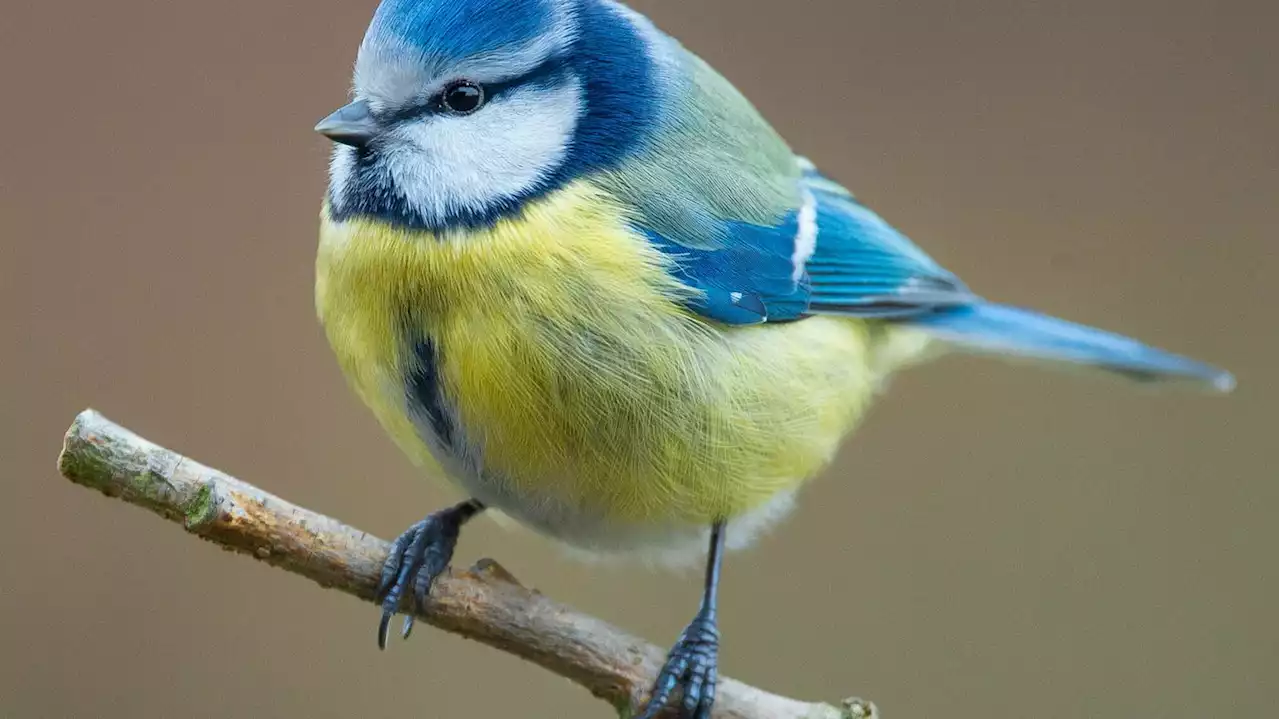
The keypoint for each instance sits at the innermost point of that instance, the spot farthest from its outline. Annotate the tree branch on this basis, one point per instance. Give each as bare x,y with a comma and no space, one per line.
484,603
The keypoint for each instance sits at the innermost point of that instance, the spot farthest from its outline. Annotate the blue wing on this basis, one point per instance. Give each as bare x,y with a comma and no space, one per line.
766,238
832,255
829,254
751,278
862,267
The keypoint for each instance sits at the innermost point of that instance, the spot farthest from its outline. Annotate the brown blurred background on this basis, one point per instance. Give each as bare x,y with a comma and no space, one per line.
999,541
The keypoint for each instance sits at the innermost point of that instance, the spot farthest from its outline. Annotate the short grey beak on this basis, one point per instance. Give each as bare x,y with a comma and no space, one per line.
351,124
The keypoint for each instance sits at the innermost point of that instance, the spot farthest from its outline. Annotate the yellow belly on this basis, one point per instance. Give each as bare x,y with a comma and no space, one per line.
582,389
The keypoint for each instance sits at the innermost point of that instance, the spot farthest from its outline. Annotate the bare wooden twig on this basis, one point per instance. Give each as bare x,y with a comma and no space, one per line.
484,603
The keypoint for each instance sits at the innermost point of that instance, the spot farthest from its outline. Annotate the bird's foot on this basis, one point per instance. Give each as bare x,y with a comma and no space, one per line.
691,665
416,558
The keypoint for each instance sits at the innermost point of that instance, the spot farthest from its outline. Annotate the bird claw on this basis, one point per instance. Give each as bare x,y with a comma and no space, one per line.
691,665
416,558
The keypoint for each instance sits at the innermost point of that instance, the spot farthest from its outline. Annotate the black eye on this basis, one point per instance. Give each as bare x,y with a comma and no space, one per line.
462,97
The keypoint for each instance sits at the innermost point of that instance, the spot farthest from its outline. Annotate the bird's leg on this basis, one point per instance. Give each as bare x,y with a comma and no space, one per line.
691,664
416,558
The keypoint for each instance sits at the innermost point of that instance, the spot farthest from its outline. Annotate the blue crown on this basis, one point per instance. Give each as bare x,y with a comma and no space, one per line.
450,30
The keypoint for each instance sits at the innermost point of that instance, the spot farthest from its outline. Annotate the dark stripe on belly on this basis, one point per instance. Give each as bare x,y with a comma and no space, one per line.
426,402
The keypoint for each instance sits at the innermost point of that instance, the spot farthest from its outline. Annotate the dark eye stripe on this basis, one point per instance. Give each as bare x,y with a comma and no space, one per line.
546,73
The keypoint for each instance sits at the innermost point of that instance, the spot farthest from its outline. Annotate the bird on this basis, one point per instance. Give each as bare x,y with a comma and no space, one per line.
572,270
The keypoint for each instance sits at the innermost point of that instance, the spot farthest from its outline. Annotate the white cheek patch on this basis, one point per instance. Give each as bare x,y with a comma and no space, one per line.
446,165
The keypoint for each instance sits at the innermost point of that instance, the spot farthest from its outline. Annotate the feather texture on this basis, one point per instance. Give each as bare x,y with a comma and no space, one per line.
863,267
716,190
759,231
1001,330
581,397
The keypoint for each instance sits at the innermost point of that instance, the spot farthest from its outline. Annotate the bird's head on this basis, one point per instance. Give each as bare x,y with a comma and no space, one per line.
464,110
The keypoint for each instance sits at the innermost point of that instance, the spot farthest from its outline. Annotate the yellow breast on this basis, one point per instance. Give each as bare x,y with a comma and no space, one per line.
573,372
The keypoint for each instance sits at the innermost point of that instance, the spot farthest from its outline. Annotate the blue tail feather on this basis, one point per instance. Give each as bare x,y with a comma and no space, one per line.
1000,329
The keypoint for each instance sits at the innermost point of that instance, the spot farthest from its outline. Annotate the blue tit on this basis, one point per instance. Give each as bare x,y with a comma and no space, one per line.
571,269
